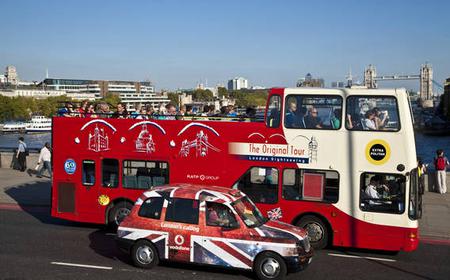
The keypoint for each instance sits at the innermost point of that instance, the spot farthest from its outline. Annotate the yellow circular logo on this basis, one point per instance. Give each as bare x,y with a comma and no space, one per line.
378,152
103,200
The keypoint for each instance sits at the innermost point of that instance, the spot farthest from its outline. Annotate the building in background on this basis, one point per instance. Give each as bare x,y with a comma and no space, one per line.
237,83
31,92
131,93
11,75
338,84
308,81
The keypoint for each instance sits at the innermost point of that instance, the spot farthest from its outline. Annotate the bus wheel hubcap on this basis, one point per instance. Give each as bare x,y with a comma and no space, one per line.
121,214
270,268
144,255
315,232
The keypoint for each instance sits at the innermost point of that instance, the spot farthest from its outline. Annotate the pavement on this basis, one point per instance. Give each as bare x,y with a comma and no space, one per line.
18,189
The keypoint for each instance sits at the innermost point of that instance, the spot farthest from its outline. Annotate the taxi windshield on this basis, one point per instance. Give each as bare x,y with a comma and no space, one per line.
248,212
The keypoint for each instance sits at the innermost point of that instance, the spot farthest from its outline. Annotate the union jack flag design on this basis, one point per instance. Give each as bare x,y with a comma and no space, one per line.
275,214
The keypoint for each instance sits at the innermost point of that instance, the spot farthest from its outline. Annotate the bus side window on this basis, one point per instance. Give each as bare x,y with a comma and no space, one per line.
313,112
139,174
110,173
260,184
383,193
372,113
273,111
316,185
88,173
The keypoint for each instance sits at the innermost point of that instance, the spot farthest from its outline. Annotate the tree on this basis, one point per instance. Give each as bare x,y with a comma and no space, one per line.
222,92
245,97
111,98
202,95
174,98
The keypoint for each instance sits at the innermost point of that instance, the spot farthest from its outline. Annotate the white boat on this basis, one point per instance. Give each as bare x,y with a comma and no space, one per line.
14,127
39,124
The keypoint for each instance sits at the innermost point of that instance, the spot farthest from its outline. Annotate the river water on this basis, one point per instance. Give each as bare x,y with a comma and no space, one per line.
426,145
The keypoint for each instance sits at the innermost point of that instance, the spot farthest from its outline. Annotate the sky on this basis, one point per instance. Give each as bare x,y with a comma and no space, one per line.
177,44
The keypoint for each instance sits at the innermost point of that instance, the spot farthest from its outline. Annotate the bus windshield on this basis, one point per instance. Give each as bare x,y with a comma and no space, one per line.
248,212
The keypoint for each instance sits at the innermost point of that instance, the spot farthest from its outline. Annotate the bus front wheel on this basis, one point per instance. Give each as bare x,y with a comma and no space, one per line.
119,212
317,230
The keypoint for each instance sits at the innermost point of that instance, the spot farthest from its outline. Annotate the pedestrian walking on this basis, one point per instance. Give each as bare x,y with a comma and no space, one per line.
440,164
45,158
22,153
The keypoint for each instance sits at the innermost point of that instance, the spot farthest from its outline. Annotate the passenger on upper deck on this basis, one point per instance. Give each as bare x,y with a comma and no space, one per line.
90,112
336,119
381,118
292,120
150,111
230,111
83,108
312,120
103,110
369,121
67,111
121,112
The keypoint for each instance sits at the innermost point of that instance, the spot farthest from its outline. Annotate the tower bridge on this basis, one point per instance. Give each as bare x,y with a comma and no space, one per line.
425,78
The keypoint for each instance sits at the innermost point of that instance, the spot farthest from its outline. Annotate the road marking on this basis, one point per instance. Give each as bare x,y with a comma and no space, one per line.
110,234
360,257
82,265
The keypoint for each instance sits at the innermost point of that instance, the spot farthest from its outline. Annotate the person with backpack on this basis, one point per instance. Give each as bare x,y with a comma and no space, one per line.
441,163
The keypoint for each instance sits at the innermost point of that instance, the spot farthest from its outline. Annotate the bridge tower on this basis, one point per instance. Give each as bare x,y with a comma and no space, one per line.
426,82
369,77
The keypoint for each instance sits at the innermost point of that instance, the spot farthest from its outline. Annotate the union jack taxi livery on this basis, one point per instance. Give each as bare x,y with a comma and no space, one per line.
213,226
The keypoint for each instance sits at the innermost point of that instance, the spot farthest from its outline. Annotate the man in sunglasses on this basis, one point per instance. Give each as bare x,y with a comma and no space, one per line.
312,120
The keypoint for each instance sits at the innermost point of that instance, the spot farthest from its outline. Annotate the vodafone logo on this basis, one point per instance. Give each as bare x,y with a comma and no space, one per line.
179,240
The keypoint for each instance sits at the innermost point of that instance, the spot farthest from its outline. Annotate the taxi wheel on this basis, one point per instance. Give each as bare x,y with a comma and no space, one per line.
144,254
317,231
118,213
269,265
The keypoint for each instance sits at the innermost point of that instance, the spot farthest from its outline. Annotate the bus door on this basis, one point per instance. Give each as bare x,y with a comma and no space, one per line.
87,191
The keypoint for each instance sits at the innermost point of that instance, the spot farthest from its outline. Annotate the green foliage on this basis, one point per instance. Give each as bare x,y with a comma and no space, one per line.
15,108
174,98
245,97
112,99
222,92
202,95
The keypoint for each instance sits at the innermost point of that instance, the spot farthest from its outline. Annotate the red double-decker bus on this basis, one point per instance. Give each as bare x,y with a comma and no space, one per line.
337,162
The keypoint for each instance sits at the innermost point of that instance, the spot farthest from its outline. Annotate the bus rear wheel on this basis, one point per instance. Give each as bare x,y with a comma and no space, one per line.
118,213
317,231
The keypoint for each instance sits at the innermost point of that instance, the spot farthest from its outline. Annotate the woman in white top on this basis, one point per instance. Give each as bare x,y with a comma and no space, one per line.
369,121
